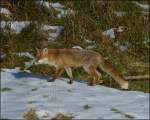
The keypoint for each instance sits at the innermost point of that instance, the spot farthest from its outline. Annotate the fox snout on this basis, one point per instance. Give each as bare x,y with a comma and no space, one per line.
35,61
40,61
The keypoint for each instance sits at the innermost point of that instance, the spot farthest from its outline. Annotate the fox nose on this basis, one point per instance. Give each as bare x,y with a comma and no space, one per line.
35,62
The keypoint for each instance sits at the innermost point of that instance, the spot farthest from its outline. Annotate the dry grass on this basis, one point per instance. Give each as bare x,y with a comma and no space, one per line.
31,115
61,116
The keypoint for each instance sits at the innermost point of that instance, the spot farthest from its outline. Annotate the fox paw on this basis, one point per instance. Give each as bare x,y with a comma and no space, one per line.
91,84
51,80
101,81
70,82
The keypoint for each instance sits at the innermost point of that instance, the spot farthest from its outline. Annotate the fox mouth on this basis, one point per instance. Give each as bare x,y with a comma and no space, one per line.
41,61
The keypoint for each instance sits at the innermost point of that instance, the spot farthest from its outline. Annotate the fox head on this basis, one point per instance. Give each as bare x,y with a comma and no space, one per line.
41,56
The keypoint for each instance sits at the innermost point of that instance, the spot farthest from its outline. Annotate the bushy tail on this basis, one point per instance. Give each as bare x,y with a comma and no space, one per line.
109,69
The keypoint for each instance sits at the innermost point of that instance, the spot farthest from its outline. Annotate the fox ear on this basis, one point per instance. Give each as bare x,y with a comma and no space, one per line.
45,51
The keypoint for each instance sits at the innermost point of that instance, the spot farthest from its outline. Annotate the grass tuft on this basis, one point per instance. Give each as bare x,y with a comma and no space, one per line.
31,115
122,113
5,89
86,107
61,116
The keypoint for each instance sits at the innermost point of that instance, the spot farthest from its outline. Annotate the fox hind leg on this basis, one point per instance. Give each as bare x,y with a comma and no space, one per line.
93,72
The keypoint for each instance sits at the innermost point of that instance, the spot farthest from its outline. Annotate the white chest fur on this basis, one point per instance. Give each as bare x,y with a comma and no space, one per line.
46,61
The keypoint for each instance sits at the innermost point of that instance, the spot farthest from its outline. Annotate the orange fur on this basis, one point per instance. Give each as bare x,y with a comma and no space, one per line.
64,59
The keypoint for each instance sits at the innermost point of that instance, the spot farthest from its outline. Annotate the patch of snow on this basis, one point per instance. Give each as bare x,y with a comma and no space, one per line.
5,11
44,3
78,47
123,47
42,114
56,31
2,55
88,41
143,6
119,13
29,64
120,29
147,40
91,47
15,26
27,54
57,5
63,11
50,98
111,32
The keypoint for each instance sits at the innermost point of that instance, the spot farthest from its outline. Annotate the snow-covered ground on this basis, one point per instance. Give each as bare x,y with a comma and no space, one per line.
22,91
27,54
5,11
53,31
111,32
143,6
63,11
15,26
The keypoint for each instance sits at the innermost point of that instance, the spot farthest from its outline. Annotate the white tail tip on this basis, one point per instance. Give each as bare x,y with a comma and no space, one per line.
125,85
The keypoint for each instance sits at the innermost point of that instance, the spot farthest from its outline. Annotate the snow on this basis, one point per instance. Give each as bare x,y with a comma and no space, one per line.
78,47
2,55
15,26
57,5
27,54
63,11
42,113
111,32
119,13
30,91
5,11
147,40
123,47
143,6
55,31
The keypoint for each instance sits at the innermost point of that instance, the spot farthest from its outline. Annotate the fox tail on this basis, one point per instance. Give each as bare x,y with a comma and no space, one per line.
109,69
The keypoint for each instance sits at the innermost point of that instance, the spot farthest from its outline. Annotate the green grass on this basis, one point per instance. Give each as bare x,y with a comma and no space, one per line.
86,107
6,89
4,119
42,69
122,113
12,60
31,102
61,116
34,89
140,85
45,96
90,20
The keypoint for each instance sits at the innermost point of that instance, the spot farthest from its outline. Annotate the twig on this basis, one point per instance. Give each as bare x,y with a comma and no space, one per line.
137,77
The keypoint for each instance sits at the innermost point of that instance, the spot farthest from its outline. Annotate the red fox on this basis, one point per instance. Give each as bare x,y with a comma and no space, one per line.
64,59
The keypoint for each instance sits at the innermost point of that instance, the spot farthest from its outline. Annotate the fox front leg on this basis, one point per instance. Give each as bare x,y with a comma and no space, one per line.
69,73
57,74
